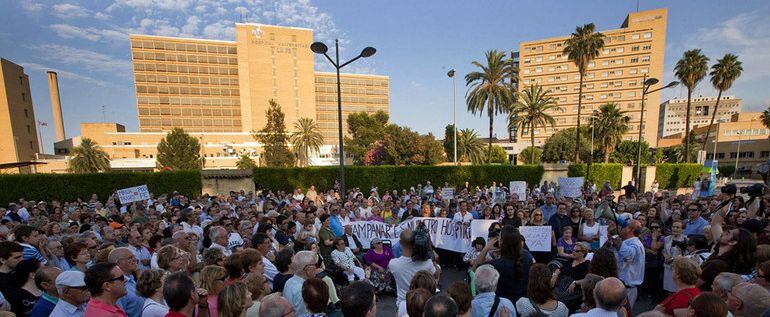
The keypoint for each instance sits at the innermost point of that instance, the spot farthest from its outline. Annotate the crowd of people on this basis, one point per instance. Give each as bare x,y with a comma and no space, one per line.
275,253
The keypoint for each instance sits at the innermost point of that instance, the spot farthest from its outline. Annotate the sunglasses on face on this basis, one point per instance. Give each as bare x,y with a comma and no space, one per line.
119,278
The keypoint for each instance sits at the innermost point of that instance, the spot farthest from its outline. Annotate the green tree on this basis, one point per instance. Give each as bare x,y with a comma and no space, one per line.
402,146
626,152
245,162
180,151
561,145
449,137
432,150
88,157
723,75
610,126
659,156
364,129
498,155
307,137
274,138
531,112
583,46
677,152
765,117
469,147
531,155
489,89
690,70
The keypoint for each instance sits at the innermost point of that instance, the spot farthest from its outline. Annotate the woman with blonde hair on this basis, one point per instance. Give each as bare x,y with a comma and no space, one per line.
150,286
686,275
234,300
172,259
259,288
212,279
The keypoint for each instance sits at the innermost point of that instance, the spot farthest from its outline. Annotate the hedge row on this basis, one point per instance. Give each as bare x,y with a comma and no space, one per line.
672,176
600,173
72,186
394,177
726,170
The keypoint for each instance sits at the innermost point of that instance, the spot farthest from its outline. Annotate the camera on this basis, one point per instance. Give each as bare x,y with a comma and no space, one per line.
755,190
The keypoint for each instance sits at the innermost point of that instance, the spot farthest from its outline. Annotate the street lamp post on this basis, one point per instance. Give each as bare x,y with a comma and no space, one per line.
451,74
646,84
321,48
593,117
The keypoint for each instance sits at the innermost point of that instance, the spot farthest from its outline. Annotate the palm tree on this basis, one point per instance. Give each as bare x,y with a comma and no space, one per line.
690,70
765,117
723,75
532,108
307,137
88,157
245,162
488,89
581,48
611,123
469,147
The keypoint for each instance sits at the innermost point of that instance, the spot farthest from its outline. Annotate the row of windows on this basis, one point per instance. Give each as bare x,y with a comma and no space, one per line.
192,101
746,132
171,68
196,122
346,99
351,81
185,58
605,51
215,112
618,72
208,80
352,108
184,90
608,39
200,48
684,108
348,90
746,154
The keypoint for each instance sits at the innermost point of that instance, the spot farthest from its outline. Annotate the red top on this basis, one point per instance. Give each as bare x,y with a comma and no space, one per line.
97,308
680,299
175,314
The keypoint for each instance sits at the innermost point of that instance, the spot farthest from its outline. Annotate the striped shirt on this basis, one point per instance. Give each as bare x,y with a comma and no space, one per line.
31,252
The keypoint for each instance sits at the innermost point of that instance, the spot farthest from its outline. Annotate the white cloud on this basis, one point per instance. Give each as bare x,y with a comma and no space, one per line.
69,11
32,6
220,30
85,59
66,74
69,31
173,5
192,25
102,16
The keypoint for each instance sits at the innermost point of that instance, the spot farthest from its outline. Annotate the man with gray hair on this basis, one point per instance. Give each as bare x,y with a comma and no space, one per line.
274,305
610,296
486,300
724,282
305,267
218,236
131,303
748,300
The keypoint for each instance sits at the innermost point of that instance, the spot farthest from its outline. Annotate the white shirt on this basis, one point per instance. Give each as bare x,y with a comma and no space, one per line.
403,270
459,217
152,308
141,253
65,309
270,271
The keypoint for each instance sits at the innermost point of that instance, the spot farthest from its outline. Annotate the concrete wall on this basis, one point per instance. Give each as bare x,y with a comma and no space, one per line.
554,171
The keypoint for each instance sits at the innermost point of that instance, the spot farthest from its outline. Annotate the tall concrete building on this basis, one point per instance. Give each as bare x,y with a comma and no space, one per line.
225,86
630,53
18,132
673,113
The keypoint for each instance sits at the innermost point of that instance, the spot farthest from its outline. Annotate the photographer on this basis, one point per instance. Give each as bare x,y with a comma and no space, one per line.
417,256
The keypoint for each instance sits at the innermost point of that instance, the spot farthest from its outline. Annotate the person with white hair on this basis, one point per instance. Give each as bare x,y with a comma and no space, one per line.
486,278
305,267
218,236
610,295
724,282
748,300
73,294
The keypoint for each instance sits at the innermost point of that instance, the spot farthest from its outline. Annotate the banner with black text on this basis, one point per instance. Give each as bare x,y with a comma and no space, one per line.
445,233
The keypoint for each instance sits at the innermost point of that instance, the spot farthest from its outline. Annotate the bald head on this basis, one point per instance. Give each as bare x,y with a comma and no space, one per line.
274,305
406,239
610,294
45,279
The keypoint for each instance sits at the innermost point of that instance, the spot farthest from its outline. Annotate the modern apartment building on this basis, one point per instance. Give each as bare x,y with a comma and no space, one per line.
225,86
631,53
673,113
741,140
18,130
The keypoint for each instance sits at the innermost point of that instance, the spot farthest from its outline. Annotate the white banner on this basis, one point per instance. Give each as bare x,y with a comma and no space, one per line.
520,189
538,238
132,194
571,186
447,193
480,228
602,235
444,233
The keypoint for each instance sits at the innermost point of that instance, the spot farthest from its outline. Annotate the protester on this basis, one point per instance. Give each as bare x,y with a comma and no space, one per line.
106,282
359,299
749,300
707,304
610,295
315,294
45,280
686,273
234,300
73,295
514,263
183,299
150,286
461,294
487,302
23,293
259,288
540,299
440,306
415,302
212,279
410,262
630,257
305,267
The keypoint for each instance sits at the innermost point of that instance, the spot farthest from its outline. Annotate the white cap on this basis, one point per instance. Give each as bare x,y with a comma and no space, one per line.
71,279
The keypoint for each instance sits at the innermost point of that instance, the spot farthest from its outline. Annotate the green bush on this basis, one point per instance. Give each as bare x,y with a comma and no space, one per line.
394,177
726,170
69,187
600,173
672,176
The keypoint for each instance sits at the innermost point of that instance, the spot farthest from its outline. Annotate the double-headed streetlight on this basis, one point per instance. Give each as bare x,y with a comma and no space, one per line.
648,82
451,74
321,48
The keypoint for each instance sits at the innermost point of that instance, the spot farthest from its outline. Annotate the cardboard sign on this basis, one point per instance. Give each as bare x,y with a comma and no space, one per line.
538,238
447,193
571,187
132,194
519,188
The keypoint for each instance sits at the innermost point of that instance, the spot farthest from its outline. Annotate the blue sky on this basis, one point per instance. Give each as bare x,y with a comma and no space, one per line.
417,43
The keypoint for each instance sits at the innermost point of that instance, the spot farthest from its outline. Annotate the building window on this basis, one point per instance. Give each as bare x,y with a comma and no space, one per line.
720,155
26,113
648,35
23,97
634,48
764,154
645,58
635,36
647,47
29,130
635,60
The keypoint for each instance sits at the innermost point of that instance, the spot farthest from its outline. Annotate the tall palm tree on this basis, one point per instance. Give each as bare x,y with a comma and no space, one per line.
611,123
723,75
469,147
307,137
532,108
88,157
488,90
765,117
690,70
581,48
